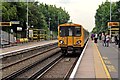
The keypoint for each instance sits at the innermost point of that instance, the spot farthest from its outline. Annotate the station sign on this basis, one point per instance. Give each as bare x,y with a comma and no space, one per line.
113,24
30,33
15,22
114,29
19,28
5,23
51,32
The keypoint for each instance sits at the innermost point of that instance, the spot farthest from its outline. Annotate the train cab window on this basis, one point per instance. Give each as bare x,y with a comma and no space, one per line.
70,31
62,31
66,31
77,31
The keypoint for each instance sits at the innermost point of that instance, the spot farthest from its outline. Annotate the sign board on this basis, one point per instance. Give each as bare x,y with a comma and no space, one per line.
109,27
113,23
5,23
11,30
50,32
30,33
19,28
114,29
15,22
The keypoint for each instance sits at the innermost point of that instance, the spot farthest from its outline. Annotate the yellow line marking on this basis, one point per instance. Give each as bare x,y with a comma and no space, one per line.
98,67
104,66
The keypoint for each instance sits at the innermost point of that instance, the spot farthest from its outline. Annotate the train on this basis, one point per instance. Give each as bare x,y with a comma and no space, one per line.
72,37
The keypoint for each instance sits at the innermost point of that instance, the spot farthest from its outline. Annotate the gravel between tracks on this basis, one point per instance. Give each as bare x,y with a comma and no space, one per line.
35,69
60,70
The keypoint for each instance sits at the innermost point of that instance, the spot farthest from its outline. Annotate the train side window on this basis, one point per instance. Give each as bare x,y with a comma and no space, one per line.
77,31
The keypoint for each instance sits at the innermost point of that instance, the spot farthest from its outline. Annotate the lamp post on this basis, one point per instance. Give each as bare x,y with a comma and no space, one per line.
119,36
49,25
110,18
58,19
59,13
119,31
27,21
11,31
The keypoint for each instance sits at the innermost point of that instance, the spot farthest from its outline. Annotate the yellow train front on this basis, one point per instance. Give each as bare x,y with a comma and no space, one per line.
71,37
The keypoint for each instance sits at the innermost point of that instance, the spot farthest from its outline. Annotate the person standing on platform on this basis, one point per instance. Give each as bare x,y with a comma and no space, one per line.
92,36
107,40
103,39
96,37
100,35
116,40
112,39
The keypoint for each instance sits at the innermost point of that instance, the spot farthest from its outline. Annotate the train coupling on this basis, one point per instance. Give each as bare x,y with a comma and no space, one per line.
70,50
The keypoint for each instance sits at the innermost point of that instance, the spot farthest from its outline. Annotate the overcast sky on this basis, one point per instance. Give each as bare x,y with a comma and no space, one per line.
81,11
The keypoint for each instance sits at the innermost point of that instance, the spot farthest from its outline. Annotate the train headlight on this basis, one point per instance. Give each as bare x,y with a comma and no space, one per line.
61,41
78,42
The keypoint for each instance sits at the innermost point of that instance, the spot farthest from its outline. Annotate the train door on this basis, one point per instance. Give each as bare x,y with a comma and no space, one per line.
70,36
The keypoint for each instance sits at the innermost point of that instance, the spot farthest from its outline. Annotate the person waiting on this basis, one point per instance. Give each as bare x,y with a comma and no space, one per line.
116,40
96,37
103,39
107,40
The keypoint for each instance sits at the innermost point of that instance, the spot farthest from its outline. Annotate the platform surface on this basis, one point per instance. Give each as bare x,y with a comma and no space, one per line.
98,62
26,45
111,57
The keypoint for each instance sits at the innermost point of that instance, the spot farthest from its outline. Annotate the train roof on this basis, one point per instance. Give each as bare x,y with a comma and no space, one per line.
70,24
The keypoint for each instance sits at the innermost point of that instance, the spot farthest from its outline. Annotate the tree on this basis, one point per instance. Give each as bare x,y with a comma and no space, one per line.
102,16
39,15
116,12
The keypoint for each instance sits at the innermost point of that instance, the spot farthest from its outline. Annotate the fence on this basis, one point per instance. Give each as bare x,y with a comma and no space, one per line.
6,38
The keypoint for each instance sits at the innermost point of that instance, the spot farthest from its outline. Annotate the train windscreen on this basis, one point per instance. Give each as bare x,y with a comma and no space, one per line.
70,31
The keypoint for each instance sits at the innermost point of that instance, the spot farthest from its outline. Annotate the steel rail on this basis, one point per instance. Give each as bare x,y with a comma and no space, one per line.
26,58
18,72
45,69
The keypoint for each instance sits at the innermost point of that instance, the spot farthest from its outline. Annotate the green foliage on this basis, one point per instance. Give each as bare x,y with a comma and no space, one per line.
116,14
102,16
39,15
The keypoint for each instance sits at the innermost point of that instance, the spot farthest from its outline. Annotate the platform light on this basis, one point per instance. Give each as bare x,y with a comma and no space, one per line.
15,22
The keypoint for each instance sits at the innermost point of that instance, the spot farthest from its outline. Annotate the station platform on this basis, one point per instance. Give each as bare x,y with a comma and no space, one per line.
98,62
25,46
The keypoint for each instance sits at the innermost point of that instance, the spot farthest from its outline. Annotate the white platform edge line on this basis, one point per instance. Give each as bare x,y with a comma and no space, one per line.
77,64
24,49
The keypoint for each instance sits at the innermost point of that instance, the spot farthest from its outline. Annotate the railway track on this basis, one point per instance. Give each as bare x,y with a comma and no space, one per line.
45,67
50,66
61,70
30,70
39,69
26,61
17,55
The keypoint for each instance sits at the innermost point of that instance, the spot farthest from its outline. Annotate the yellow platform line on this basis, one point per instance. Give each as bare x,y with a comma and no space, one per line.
104,66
